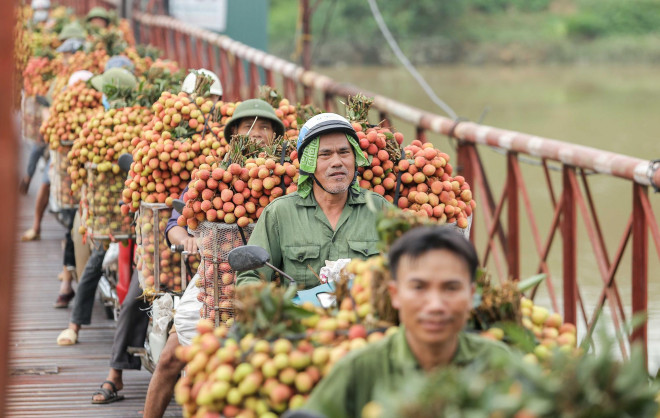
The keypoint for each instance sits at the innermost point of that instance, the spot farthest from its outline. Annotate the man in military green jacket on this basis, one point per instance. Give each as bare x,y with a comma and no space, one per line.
433,270
327,218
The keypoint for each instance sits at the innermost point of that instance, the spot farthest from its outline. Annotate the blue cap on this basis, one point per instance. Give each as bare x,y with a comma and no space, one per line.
119,61
71,45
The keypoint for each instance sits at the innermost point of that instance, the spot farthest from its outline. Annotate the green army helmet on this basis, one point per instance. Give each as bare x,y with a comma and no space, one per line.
72,30
119,77
254,108
98,12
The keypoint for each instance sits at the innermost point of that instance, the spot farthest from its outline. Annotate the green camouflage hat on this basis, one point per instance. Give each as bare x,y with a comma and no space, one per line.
72,30
98,12
119,77
250,109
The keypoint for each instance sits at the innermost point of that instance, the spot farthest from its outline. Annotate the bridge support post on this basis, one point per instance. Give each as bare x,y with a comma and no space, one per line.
639,263
513,221
569,246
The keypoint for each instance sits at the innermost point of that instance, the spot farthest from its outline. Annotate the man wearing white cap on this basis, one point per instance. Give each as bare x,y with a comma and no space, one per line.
41,9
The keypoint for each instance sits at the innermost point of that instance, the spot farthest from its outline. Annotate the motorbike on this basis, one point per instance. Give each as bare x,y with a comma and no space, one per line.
161,315
252,257
117,270
117,265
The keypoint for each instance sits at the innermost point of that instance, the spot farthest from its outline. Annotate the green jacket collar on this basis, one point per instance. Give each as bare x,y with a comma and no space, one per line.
403,355
353,199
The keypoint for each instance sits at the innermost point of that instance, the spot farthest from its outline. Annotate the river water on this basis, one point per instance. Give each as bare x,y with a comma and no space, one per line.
610,108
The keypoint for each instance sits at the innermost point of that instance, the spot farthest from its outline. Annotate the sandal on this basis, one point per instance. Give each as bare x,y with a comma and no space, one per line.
30,235
24,185
63,300
109,395
67,337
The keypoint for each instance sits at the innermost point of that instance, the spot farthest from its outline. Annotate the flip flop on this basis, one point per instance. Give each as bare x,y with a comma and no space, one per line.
30,235
67,337
109,395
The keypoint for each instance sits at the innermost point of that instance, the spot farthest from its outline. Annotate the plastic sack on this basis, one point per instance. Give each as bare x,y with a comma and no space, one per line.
187,313
111,256
162,311
330,272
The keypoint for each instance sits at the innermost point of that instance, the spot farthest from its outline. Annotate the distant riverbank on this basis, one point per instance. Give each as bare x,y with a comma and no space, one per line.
477,32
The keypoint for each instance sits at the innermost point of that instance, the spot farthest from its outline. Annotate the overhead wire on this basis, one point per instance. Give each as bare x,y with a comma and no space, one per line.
378,17
382,26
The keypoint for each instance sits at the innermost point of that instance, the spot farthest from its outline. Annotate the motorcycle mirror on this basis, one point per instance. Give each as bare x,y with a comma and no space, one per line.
247,257
125,160
178,205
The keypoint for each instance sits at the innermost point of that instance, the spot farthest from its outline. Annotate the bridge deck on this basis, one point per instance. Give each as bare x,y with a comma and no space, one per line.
70,374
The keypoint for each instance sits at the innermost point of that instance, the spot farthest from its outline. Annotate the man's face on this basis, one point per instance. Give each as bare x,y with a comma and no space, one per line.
215,98
98,22
433,294
335,165
262,129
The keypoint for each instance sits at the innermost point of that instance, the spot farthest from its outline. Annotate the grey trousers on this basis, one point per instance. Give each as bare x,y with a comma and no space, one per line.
131,327
84,300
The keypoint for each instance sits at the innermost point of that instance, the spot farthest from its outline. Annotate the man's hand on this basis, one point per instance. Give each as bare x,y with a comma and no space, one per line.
178,236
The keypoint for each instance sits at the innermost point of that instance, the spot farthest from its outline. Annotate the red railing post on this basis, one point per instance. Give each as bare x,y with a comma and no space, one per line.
329,104
384,120
239,78
513,225
420,133
270,78
228,81
569,246
290,89
639,261
188,48
254,80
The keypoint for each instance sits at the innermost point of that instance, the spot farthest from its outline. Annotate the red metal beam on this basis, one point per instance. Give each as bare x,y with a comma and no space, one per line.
601,258
492,223
189,46
420,134
639,263
290,89
513,226
239,78
651,222
270,79
606,291
599,251
254,80
329,103
226,75
535,234
551,236
569,247
8,171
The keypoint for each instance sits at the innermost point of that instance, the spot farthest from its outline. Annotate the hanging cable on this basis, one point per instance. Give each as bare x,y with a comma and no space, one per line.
406,63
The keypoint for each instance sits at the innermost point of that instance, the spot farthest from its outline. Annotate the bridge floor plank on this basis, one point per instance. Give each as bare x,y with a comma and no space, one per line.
35,325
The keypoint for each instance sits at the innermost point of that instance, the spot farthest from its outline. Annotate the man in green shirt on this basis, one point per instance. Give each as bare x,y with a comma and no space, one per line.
327,218
433,270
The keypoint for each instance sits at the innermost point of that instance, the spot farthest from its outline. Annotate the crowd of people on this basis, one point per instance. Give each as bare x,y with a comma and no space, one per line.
326,219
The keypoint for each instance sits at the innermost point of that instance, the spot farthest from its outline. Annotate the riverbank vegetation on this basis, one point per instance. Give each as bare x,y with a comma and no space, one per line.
475,31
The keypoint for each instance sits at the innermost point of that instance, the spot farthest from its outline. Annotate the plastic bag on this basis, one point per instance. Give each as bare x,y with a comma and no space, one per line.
330,272
187,315
111,255
162,311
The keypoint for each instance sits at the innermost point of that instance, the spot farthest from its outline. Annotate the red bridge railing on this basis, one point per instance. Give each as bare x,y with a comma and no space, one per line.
240,69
